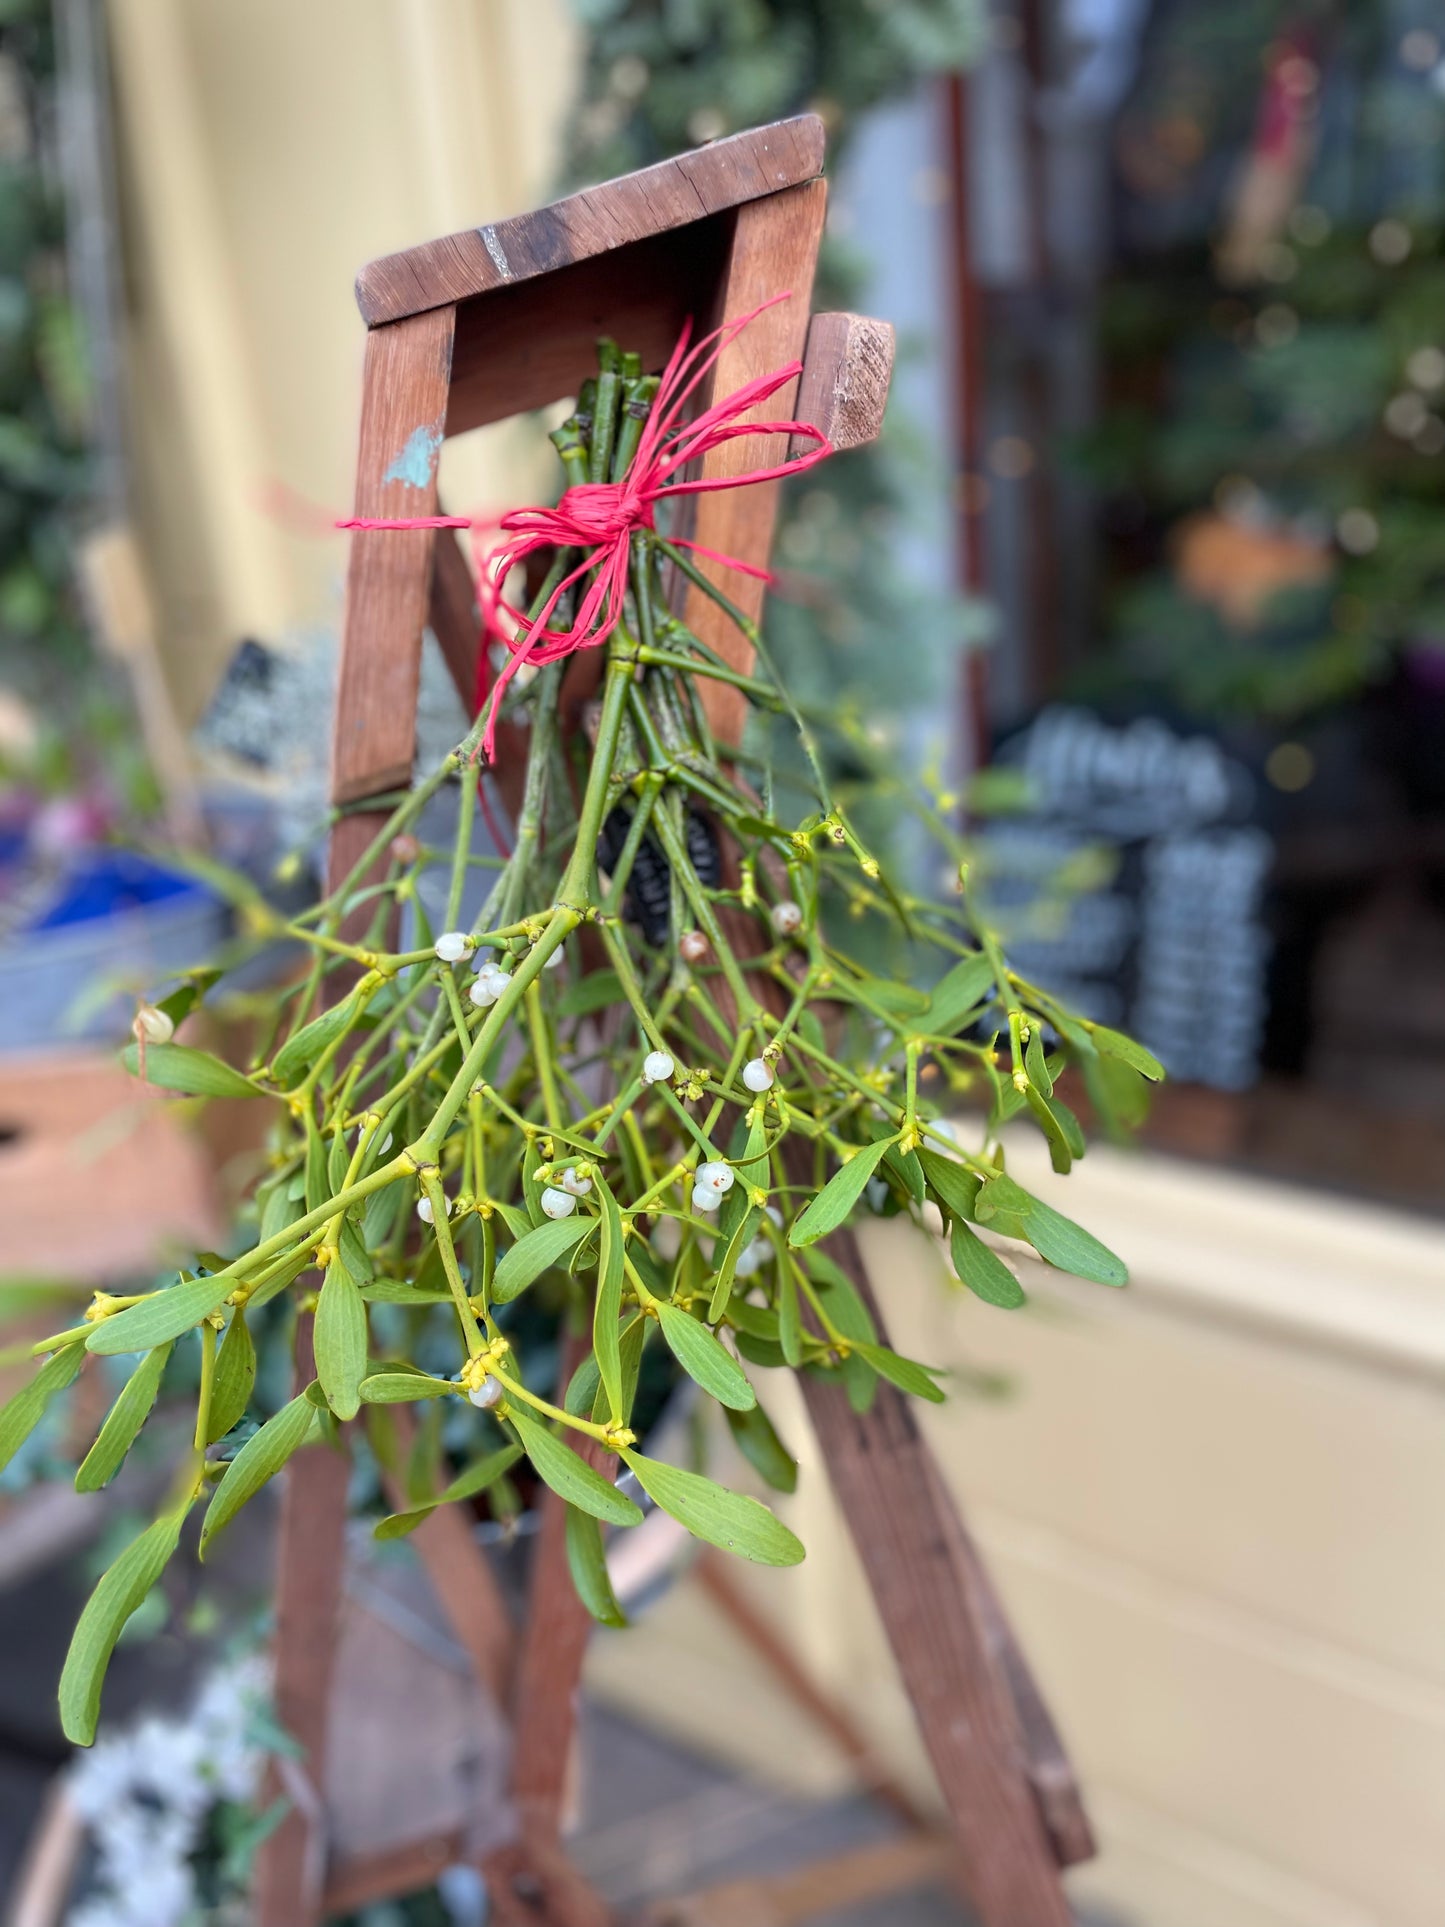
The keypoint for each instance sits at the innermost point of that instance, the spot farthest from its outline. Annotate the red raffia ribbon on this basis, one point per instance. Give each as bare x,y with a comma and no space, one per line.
600,518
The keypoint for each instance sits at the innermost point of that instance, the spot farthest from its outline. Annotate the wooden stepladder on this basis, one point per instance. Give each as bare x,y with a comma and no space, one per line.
461,332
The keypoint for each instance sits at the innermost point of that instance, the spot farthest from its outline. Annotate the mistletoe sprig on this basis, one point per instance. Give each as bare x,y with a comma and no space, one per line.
644,1087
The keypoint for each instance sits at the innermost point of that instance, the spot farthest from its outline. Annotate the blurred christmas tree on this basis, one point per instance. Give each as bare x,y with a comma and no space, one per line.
857,633
1272,454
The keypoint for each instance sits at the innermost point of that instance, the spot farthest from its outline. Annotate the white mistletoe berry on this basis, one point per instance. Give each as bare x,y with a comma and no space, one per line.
451,946
692,946
558,1203
555,959
579,1187
706,1197
657,1067
490,981
758,1074
153,1025
487,1394
787,918
424,1210
719,1176
756,1253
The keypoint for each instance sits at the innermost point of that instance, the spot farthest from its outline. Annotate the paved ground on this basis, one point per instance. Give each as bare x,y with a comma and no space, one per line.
657,1820
654,1818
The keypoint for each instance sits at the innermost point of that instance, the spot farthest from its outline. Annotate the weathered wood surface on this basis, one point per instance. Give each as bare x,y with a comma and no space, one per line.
394,1874
788,1899
673,194
906,1532
775,251
455,620
452,614
847,367
544,1693
524,346
310,1560
1047,1766
150,1185
310,1555
388,581
419,1749
464,1583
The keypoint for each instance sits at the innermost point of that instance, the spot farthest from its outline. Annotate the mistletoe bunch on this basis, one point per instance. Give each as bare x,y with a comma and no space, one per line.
637,1095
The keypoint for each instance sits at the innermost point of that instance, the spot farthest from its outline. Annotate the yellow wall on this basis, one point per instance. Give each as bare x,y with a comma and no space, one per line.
266,151
1212,1503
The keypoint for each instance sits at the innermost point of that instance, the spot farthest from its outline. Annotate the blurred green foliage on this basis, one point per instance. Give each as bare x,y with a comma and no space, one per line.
1312,408
852,619
44,392
1306,405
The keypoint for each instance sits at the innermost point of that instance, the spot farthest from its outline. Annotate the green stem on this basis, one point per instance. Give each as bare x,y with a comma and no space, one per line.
542,1052
432,1186
208,1382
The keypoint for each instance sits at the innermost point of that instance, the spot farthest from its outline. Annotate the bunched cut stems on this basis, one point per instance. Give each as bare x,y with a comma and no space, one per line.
622,1139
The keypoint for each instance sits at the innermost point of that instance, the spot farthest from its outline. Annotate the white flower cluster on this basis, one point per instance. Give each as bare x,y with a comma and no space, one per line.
147,1794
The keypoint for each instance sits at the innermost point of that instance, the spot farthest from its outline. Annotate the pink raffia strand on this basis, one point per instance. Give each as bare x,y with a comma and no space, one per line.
600,518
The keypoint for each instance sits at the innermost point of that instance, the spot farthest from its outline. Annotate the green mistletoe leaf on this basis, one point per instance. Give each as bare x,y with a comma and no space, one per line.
982,1270
22,1413
195,1073
725,1519
235,1377
757,1439
466,1485
123,1422
838,1196
905,1373
704,1358
587,1563
159,1318
569,1476
122,1588
339,1340
259,1459
545,1245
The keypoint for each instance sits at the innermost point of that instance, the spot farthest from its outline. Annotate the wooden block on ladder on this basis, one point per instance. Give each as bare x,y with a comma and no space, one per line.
465,331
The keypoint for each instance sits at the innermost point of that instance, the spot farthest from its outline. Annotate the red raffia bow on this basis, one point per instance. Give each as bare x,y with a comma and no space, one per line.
600,517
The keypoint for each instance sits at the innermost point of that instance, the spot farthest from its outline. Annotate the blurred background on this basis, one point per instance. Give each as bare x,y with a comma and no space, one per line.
1149,567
